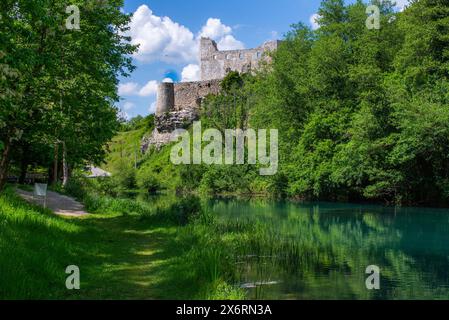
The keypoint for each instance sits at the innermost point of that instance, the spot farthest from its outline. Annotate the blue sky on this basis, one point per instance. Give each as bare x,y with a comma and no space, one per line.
168,32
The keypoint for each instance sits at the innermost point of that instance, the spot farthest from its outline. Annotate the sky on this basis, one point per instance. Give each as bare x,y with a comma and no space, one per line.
168,34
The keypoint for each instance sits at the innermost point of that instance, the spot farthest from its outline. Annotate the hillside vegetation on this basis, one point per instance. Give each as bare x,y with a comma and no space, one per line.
362,113
125,146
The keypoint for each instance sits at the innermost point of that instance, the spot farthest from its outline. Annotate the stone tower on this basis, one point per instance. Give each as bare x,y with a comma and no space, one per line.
165,98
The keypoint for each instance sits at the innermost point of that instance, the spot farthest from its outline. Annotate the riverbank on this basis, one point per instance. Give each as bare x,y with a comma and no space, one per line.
174,247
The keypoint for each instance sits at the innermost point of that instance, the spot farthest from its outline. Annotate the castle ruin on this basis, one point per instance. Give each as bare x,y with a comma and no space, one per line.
178,103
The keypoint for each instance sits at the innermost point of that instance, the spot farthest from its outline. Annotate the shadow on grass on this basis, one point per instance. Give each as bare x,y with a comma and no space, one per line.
131,260
120,257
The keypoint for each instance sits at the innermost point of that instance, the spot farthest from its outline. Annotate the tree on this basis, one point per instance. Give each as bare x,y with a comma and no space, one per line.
229,109
332,15
424,58
67,79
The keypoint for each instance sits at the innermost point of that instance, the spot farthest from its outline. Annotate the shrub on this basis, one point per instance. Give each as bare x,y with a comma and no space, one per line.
105,186
187,209
125,176
148,182
76,187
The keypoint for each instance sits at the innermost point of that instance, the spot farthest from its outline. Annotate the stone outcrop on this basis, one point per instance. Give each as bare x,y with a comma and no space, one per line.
166,124
171,121
156,140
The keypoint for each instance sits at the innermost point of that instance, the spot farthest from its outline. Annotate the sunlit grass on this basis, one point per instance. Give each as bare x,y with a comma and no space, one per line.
125,250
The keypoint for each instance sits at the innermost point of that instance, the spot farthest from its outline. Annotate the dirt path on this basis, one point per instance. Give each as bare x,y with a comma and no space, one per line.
58,203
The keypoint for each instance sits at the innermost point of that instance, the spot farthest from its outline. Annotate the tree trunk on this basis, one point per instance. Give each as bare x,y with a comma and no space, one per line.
4,164
23,164
65,167
55,164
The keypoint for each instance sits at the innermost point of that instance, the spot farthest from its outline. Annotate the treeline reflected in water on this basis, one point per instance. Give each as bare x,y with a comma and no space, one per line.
321,250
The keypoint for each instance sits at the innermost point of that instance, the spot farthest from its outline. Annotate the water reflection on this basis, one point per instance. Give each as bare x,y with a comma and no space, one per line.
321,250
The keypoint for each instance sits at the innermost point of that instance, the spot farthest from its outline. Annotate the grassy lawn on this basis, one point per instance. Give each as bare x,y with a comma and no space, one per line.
119,256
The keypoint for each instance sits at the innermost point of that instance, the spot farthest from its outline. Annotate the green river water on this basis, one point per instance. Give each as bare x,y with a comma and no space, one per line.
322,250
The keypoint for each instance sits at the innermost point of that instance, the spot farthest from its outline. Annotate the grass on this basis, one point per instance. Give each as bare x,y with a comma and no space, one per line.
119,257
134,251
124,148
152,249
173,248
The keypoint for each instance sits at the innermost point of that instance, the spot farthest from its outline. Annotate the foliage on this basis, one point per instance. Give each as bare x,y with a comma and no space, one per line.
361,113
125,176
230,108
59,86
137,123
148,182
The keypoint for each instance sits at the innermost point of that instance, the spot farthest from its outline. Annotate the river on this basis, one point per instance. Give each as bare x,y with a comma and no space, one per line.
322,250
338,243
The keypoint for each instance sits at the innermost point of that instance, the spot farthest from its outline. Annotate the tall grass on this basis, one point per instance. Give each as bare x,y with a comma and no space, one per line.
204,261
213,257
35,249
36,246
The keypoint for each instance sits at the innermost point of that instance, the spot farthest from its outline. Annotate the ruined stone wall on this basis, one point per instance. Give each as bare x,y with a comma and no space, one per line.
190,94
216,64
179,96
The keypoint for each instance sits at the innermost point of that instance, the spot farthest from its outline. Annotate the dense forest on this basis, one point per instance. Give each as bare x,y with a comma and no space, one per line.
362,113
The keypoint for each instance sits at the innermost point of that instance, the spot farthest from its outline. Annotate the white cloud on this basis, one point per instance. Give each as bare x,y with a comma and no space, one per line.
167,80
124,115
160,38
230,43
134,89
191,72
128,89
314,21
149,89
221,33
400,4
215,30
128,106
152,108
